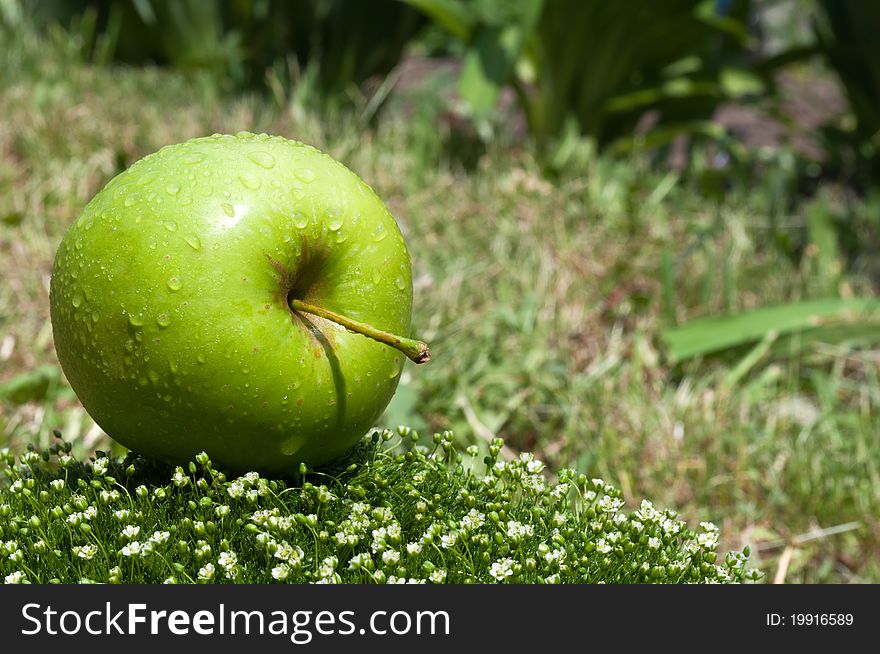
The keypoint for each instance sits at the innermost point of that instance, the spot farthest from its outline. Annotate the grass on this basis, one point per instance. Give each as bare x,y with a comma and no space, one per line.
400,513
543,300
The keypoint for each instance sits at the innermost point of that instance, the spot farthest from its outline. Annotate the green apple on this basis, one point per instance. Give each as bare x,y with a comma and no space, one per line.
242,295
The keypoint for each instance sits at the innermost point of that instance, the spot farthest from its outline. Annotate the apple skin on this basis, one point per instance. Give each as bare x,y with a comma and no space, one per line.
169,304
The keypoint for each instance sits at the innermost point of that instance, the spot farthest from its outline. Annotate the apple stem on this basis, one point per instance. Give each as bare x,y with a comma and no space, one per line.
417,351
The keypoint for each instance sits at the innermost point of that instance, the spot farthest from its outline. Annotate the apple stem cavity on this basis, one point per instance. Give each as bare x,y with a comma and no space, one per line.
416,351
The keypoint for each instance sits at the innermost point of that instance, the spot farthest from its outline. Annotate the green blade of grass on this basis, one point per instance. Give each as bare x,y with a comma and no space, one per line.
840,319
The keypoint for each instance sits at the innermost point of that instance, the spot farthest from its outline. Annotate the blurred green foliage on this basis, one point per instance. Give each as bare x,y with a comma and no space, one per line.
849,41
338,44
589,68
616,75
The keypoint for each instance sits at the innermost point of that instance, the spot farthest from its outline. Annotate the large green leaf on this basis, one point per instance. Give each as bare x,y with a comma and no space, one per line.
832,320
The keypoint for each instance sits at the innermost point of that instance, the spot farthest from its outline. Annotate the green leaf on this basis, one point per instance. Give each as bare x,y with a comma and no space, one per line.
829,320
489,64
33,386
455,16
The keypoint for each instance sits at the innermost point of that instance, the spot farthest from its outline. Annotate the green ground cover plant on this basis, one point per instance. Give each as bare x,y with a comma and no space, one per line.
389,513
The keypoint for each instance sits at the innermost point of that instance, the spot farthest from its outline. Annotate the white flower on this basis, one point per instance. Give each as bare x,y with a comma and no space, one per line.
160,537
647,512
559,519
602,546
100,466
708,540
390,557
636,526
609,504
327,570
131,531
448,540
517,530
670,527
413,548
654,543
229,562
206,573
502,568
473,520
221,510
85,551
438,576
179,478
559,491
534,466
122,515
293,554
131,549
16,577
252,477
556,556
227,559
57,484
553,579
236,489
281,572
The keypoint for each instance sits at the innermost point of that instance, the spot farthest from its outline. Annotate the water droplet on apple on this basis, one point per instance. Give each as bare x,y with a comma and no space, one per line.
341,237
249,182
174,283
129,200
262,159
163,319
170,225
193,158
77,300
228,209
172,189
380,233
300,220
335,223
194,242
298,194
291,445
399,283
95,317
377,275
200,357
306,175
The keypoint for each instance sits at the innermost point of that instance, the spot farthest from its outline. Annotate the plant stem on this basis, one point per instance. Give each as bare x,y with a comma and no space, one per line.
417,351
